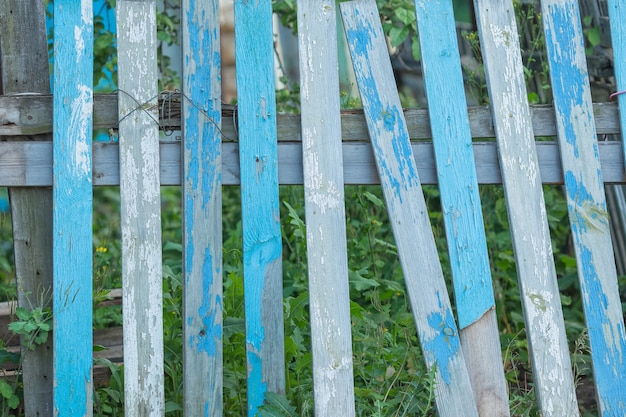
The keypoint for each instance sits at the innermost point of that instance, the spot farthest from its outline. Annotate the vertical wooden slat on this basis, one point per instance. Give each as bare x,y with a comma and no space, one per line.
72,214
545,328
24,69
407,209
586,201
460,201
140,208
333,381
258,156
202,208
617,19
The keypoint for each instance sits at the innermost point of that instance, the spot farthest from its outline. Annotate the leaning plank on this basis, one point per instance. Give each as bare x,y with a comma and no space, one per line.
460,201
30,163
262,245
202,209
586,201
140,209
73,198
407,209
29,115
333,381
617,19
24,69
526,207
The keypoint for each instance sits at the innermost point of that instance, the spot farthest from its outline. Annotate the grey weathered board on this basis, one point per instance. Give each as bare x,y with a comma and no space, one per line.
140,209
528,220
24,69
408,214
327,257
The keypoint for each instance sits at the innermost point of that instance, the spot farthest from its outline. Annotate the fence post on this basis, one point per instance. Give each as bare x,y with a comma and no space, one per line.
202,209
327,258
72,214
24,68
586,202
258,156
140,209
408,213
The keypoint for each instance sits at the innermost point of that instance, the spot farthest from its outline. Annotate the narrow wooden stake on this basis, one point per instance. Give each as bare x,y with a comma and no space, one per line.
258,155
530,233
140,209
24,69
202,209
329,293
460,202
586,201
407,209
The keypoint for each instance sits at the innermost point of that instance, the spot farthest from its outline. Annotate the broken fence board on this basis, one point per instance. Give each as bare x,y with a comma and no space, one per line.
586,202
461,207
408,214
140,209
528,220
262,243
73,197
333,380
202,209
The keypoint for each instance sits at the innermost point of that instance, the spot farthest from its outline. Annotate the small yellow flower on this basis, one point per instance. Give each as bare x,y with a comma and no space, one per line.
101,249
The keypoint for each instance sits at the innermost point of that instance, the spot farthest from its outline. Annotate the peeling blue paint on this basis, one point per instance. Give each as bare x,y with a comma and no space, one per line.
444,346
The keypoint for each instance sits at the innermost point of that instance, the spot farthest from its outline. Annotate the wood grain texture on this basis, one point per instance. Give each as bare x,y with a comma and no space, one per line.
73,199
24,69
258,156
32,114
327,258
140,209
526,207
461,207
202,209
586,202
617,19
425,283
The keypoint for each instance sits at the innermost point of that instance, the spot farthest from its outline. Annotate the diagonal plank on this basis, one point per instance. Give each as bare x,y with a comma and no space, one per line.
140,209
258,155
460,201
73,198
202,209
586,201
617,19
322,157
530,233
407,209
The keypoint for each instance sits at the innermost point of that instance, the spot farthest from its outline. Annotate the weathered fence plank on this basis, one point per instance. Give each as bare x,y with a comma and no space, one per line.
617,19
140,209
73,196
202,209
24,69
262,244
327,258
530,233
460,202
407,209
586,202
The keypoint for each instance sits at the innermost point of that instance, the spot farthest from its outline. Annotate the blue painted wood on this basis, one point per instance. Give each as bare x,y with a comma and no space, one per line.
617,18
202,209
258,156
586,201
425,283
72,216
456,170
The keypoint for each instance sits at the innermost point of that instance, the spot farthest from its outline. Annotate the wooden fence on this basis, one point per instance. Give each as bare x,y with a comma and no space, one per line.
323,149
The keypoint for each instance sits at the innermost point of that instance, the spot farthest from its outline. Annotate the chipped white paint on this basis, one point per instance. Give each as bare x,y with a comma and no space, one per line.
325,212
527,213
80,124
140,209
